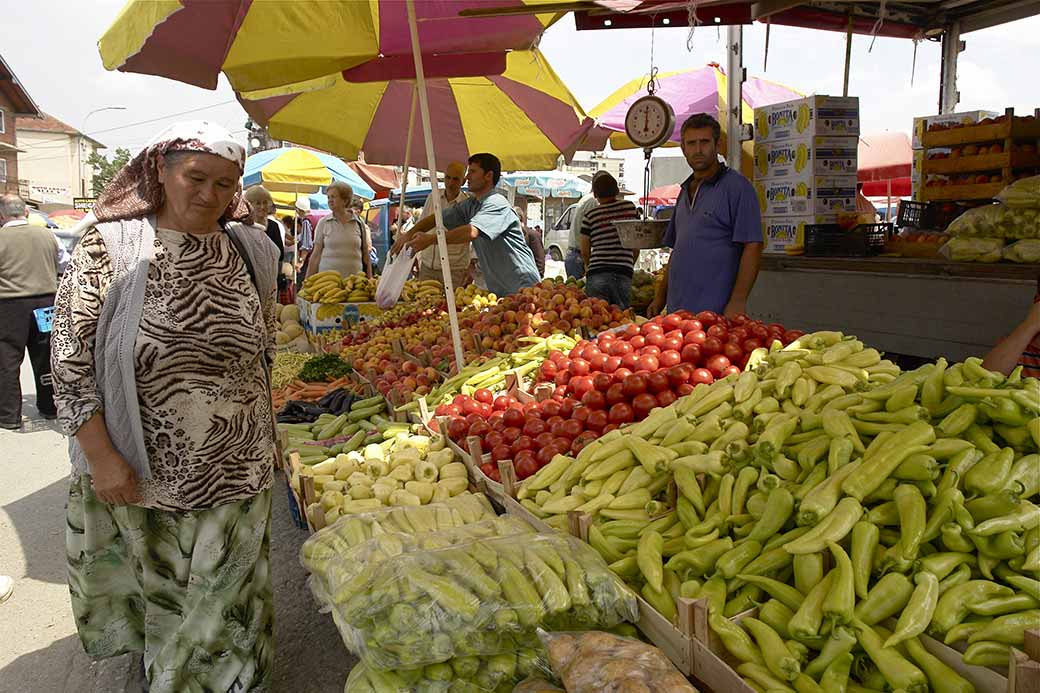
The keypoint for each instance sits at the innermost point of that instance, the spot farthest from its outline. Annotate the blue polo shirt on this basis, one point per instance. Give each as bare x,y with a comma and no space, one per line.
707,234
505,258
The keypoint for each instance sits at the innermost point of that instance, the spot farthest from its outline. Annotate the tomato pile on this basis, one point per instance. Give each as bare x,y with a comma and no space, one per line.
641,367
529,433
606,382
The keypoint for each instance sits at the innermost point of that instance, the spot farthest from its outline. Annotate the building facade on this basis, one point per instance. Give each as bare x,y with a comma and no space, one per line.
15,102
53,160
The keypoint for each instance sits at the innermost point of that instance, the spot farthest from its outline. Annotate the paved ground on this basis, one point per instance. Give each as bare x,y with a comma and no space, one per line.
39,650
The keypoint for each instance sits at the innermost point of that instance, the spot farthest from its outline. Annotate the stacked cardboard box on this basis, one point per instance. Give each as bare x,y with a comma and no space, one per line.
921,125
805,165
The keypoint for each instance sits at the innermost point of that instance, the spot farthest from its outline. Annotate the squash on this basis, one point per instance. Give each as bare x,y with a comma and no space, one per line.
290,313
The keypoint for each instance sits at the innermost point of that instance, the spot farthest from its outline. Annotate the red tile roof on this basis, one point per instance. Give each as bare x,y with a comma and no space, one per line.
48,123
9,85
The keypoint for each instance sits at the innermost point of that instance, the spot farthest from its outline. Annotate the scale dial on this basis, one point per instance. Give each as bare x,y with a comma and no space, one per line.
649,122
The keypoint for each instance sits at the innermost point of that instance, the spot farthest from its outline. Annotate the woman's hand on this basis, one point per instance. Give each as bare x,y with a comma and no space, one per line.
113,479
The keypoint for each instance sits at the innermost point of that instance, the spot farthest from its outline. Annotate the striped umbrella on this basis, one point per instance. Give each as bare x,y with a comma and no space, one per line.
297,170
525,115
259,44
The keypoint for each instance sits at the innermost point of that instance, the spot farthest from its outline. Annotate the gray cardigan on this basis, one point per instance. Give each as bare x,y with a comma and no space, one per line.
131,247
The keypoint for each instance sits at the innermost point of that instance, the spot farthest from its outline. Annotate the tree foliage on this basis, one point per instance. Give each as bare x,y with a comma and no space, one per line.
105,168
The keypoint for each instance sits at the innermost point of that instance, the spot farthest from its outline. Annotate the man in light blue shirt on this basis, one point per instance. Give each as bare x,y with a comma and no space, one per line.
489,222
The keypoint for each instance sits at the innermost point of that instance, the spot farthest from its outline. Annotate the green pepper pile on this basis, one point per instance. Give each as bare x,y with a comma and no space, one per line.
494,674
324,369
858,506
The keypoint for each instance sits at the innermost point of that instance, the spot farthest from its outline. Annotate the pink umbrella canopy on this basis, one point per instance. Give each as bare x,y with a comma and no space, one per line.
264,44
701,90
884,156
663,195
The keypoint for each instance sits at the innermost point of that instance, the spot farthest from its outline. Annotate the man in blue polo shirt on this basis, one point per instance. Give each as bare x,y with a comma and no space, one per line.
715,233
489,222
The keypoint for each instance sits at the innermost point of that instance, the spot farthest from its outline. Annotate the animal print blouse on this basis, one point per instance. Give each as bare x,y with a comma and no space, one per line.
199,359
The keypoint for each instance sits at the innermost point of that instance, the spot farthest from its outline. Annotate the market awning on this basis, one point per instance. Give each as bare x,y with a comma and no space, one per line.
382,179
883,156
546,184
298,170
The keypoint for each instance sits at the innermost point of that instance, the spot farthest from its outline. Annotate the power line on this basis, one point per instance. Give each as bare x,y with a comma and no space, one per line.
165,117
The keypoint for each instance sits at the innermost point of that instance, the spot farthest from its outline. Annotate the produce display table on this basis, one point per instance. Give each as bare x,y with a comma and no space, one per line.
918,307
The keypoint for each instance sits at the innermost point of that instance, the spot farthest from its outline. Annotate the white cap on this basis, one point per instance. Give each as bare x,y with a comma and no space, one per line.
303,204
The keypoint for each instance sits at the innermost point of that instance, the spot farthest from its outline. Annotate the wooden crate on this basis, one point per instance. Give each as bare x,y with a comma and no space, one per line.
1012,128
980,191
983,162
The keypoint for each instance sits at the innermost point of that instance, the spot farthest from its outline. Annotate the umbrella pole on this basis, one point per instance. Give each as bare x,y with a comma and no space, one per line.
431,161
407,163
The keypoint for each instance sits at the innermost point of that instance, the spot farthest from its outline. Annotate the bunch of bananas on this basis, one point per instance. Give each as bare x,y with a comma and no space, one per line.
429,292
330,287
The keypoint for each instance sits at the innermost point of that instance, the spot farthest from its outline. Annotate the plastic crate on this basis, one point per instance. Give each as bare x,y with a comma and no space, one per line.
929,216
911,214
830,240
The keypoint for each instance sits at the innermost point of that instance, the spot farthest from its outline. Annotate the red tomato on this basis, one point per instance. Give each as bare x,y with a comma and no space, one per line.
513,417
597,420
559,393
531,410
637,342
711,347
677,375
633,385
733,352
484,409
718,331
740,333
579,366
631,330
672,344
650,328
591,350
497,420
502,402
688,326
510,433
545,455
470,406
657,382
702,375
577,445
479,429
717,364
650,349
792,335
619,348
534,427
542,440
776,326
598,360
484,395
553,421
610,427
564,364
580,385
740,319
669,358
575,352
620,374
656,339
750,345
730,370
549,408
491,440
649,362
691,353
525,463
594,399
631,361
457,429
523,442
562,377
642,405
708,318
620,413
602,381
560,445
759,332
665,398
671,321
567,408
491,471
572,428
472,419
684,389
555,355
581,415
611,364
501,452
443,410
615,394
460,400
696,337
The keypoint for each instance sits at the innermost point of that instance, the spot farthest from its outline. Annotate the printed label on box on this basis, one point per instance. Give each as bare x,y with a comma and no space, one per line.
783,232
816,156
793,197
812,116
922,124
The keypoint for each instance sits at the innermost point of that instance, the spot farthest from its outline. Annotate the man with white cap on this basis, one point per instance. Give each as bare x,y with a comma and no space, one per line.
304,234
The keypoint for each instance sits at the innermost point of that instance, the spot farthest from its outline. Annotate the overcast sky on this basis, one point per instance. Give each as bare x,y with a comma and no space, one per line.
52,48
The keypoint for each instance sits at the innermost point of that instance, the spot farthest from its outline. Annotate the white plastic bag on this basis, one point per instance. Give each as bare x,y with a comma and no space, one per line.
395,274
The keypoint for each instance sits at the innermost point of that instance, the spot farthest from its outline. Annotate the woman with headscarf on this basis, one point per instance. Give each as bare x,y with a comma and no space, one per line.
162,338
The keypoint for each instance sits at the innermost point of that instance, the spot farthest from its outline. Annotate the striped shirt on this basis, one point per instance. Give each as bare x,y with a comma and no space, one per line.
607,253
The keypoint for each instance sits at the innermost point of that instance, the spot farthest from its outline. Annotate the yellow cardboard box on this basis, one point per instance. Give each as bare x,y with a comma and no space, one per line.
801,196
813,116
816,156
782,232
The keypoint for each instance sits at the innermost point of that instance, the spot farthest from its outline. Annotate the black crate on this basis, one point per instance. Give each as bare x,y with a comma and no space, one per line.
928,216
911,214
830,240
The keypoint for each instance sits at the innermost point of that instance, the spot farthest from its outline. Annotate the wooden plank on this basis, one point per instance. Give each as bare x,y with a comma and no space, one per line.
1032,644
982,162
1014,128
675,644
976,191
983,678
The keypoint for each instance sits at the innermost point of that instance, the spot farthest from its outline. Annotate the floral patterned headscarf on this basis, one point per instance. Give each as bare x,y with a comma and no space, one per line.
136,192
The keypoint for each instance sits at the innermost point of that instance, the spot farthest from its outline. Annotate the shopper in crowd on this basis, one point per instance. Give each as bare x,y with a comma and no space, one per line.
1021,347
261,206
715,233
608,265
534,241
488,222
30,258
459,253
341,240
304,236
163,337
573,262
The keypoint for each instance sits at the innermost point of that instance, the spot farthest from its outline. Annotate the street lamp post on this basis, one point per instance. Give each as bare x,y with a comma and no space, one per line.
83,144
